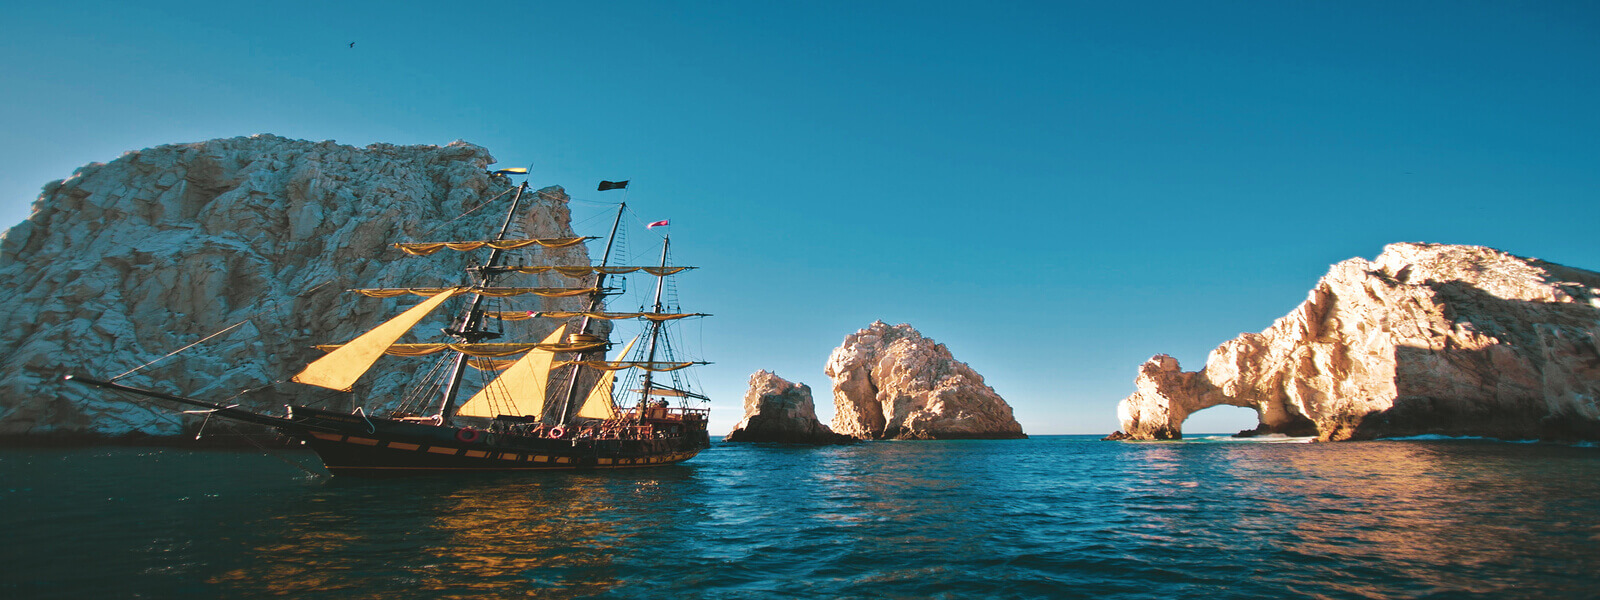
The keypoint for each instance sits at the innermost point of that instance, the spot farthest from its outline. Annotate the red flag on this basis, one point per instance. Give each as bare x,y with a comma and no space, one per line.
661,223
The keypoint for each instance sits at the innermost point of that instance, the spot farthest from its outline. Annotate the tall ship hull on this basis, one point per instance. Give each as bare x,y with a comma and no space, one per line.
551,404
378,446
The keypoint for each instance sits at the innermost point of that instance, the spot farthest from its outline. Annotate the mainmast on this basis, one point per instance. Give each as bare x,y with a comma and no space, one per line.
469,327
594,304
655,326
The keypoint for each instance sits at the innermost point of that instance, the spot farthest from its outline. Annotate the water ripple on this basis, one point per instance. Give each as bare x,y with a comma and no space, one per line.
1041,518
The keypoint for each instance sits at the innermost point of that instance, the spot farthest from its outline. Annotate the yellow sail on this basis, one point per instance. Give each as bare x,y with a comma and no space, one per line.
478,350
618,365
527,378
340,368
599,405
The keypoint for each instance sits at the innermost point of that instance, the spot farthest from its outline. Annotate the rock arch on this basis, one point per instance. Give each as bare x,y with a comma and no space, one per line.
1428,338
1222,419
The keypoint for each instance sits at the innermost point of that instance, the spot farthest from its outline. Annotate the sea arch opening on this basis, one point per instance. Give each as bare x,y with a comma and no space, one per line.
1222,419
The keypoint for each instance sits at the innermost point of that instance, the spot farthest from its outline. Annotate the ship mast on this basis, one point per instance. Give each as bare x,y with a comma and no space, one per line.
655,326
594,304
470,325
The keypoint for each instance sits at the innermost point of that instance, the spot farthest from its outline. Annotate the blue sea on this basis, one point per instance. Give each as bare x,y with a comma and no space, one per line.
1047,517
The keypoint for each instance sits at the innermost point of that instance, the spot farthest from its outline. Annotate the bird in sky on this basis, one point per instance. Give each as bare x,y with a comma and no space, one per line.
352,44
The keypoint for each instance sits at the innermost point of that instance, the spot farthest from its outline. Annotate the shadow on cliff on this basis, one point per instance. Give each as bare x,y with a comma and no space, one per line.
1296,426
1524,387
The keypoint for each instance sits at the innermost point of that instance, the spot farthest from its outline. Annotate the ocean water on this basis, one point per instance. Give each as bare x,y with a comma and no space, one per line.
1047,517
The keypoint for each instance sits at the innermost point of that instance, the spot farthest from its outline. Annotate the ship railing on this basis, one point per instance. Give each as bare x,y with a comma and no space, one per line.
668,413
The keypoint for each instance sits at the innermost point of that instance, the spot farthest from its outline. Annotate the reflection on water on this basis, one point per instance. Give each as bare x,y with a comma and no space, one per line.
1385,519
463,535
1045,517
1414,507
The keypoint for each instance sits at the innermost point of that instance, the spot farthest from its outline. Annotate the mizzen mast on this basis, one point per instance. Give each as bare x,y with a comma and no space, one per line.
655,326
594,305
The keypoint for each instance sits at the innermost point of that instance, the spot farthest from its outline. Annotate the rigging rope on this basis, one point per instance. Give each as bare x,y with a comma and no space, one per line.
416,398
469,211
269,304
169,354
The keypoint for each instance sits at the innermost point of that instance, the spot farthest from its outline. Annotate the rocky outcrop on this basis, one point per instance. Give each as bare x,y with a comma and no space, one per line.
1426,339
776,410
127,261
892,383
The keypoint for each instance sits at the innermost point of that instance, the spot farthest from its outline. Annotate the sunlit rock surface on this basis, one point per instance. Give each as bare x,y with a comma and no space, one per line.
892,383
777,410
1426,339
124,262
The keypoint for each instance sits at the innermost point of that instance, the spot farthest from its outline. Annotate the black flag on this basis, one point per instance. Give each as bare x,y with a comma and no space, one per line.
613,185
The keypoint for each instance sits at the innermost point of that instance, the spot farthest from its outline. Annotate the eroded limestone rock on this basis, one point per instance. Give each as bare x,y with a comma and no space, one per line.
777,410
1426,339
892,383
126,261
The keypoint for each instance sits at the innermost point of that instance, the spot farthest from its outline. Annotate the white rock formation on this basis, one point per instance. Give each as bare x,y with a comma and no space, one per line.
777,410
892,383
127,261
1427,339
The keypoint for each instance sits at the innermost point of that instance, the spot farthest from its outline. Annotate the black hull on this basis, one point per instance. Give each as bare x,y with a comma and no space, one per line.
376,447
361,445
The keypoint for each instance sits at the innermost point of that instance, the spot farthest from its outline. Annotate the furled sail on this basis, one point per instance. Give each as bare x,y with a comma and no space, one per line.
583,271
668,392
497,292
516,315
426,248
479,350
618,365
599,405
490,364
527,379
340,368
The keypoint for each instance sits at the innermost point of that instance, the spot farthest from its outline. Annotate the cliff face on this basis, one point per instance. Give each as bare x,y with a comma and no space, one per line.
777,410
892,383
1441,339
127,261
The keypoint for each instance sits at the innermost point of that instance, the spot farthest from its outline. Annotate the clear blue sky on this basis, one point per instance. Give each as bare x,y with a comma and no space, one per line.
1056,191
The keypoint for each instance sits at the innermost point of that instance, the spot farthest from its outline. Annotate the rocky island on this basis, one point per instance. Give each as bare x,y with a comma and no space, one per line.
889,382
1426,339
777,410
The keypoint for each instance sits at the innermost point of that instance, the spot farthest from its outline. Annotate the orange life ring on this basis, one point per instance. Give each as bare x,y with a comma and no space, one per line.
557,432
468,435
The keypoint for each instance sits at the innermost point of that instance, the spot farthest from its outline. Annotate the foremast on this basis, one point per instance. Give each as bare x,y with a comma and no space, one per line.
347,362
470,328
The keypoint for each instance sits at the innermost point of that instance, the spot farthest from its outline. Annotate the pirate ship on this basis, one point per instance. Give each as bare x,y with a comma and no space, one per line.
551,404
